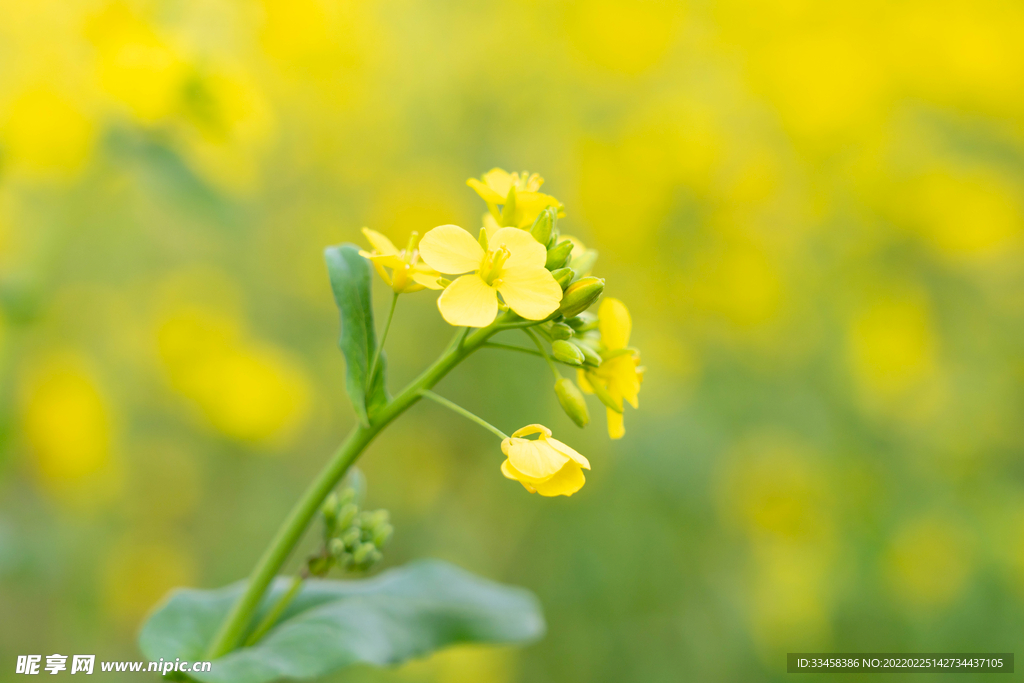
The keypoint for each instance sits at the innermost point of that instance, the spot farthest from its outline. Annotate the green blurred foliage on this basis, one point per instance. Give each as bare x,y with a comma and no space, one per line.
813,210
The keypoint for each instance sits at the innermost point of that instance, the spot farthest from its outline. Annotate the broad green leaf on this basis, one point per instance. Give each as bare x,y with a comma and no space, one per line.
351,284
401,614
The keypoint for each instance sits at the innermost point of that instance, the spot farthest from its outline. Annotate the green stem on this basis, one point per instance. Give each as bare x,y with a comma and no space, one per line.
234,626
272,616
540,347
383,338
455,407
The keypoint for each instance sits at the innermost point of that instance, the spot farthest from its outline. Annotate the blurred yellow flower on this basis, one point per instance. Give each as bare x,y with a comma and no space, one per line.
512,265
408,274
136,66
892,345
543,465
46,134
246,390
494,187
929,561
66,419
619,376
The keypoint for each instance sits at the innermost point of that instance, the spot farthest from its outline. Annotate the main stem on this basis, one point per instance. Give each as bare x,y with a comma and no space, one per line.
233,628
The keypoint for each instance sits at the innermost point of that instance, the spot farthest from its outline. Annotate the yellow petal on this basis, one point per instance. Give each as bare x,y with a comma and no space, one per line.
486,193
450,249
530,292
581,379
566,482
525,252
622,377
531,429
468,302
530,204
500,181
614,322
379,242
426,277
616,427
535,460
569,452
511,473
387,260
380,271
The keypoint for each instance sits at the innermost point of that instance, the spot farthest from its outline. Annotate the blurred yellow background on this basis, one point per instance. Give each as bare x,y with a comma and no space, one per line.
813,210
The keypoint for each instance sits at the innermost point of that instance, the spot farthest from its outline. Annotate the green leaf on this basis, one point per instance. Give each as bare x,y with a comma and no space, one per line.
351,283
401,614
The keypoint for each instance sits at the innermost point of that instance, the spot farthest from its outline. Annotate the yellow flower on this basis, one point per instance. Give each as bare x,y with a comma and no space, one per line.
619,376
494,186
408,274
512,265
543,465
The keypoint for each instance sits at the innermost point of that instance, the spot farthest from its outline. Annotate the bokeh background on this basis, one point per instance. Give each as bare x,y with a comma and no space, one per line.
813,210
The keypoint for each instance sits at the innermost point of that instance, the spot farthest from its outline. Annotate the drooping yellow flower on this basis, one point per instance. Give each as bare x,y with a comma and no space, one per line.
408,274
494,186
619,376
512,265
543,465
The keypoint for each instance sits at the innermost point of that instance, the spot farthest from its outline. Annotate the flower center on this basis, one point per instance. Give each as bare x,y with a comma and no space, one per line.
490,267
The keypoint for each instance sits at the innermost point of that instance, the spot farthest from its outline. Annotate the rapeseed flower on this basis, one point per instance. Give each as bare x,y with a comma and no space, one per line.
619,376
543,465
408,273
512,264
496,188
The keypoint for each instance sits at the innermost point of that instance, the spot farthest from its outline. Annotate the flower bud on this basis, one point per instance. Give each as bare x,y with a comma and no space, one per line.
382,534
508,211
590,356
567,352
541,229
582,322
365,554
580,295
561,331
558,255
336,547
572,402
351,537
346,515
330,510
563,276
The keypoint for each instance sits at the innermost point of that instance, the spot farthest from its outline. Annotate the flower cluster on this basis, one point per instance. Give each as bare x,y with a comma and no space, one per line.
352,538
521,273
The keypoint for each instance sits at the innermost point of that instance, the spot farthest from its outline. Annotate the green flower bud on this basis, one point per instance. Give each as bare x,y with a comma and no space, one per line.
558,255
561,331
580,295
382,534
330,510
572,402
336,547
582,322
563,276
567,352
351,537
541,229
364,552
584,263
590,356
346,515
508,211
